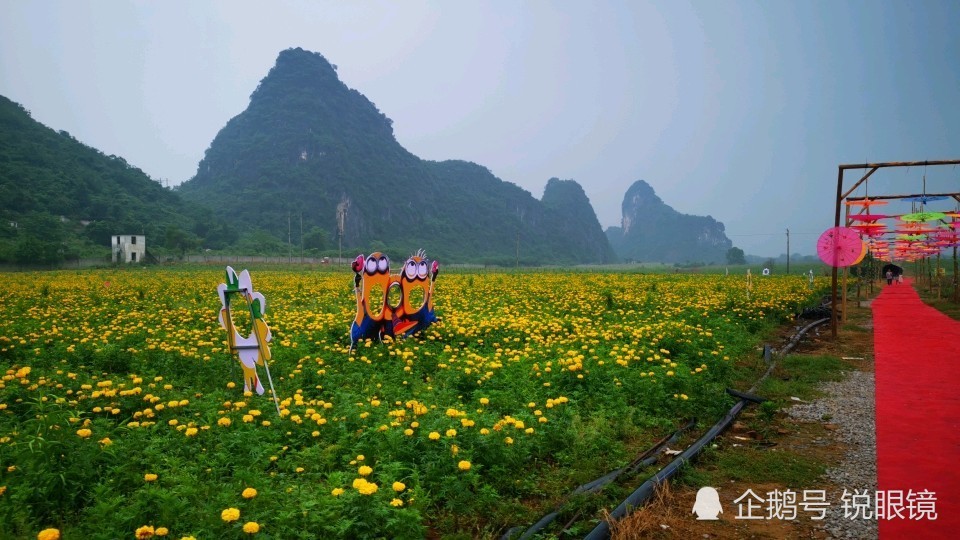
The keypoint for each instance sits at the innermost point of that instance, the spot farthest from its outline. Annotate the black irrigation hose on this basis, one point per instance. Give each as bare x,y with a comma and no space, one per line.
646,490
647,458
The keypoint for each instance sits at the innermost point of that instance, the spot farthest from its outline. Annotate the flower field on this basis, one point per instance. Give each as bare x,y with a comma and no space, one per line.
122,412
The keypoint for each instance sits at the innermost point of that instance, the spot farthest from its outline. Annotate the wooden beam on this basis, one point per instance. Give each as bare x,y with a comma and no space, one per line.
900,164
860,181
880,197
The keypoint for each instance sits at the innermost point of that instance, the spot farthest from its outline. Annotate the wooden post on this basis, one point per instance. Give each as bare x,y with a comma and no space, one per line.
833,278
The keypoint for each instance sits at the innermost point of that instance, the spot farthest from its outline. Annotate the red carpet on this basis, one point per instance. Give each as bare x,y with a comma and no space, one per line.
916,350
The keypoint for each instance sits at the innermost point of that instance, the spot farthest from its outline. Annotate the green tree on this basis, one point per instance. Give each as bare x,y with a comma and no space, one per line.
735,256
316,238
177,239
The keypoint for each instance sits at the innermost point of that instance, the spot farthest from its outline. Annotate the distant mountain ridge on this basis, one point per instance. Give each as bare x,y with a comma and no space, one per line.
652,231
305,147
60,198
307,144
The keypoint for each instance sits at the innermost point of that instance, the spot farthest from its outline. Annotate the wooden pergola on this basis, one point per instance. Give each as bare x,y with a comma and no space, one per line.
841,195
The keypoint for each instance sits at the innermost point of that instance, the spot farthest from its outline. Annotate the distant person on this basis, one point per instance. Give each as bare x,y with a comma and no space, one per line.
899,278
889,277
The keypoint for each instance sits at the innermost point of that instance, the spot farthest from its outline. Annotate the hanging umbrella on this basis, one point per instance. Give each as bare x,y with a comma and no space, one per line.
924,199
839,247
923,216
868,217
866,203
868,228
863,253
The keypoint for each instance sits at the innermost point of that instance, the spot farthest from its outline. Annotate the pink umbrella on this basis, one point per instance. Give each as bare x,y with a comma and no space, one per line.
868,217
839,247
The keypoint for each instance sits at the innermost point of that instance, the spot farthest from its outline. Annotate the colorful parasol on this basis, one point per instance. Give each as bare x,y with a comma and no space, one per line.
869,217
923,216
840,247
866,203
863,253
870,229
924,199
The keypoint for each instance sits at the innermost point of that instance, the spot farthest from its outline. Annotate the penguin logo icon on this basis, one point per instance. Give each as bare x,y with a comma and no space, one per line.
708,504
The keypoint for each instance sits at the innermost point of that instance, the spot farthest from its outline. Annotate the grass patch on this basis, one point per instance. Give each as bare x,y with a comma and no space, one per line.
798,376
943,304
754,466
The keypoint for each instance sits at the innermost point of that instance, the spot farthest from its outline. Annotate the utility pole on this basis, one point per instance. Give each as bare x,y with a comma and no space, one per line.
518,250
341,224
788,251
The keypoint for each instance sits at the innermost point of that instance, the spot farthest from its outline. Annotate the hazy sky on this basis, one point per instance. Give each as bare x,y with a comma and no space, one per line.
738,110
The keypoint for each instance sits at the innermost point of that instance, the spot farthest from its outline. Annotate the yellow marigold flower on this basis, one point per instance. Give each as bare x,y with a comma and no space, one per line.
299,469
3,489
396,502
336,492
48,534
251,527
484,401
364,471
361,457
248,418
230,514
231,384
508,440
145,532
249,493
464,465
434,435
190,432
84,433
106,441
408,432
161,531
368,488
451,432
399,486
149,477
224,421
188,538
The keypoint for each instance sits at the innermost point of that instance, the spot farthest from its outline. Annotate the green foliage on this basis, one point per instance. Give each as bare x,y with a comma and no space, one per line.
316,238
736,256
66,197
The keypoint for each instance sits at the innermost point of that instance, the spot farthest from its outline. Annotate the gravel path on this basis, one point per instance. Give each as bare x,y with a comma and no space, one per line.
850,405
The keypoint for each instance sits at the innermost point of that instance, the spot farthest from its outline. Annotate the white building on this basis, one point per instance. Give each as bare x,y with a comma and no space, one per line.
129,248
